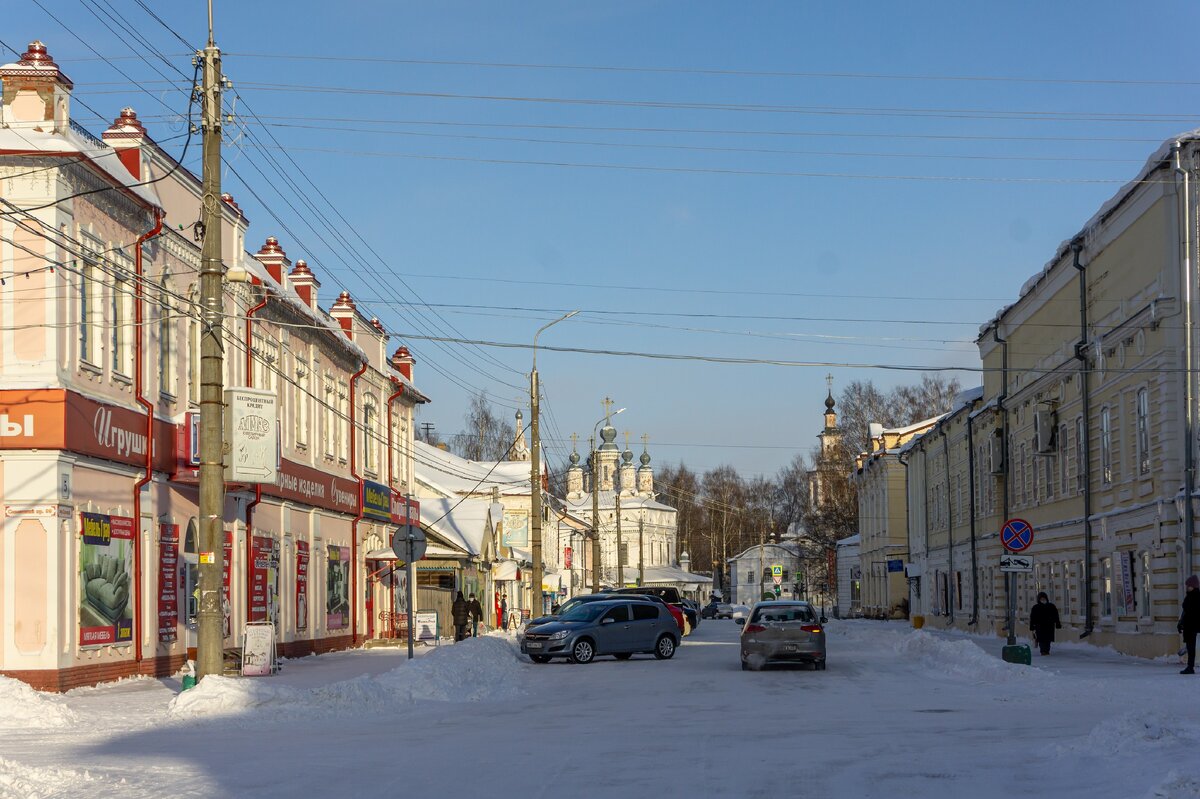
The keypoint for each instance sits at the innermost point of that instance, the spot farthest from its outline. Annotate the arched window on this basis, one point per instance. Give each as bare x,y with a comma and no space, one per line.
166,343
369,418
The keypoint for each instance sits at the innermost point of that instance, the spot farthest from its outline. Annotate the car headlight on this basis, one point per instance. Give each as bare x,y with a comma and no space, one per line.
561,634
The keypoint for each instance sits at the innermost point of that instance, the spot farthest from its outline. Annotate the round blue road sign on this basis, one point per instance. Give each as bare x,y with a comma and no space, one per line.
1016,535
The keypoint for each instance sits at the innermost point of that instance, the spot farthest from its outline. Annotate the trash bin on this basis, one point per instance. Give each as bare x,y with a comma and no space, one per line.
1017,653
918,622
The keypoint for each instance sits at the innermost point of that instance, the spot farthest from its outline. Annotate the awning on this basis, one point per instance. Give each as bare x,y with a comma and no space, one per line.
551,582
381,554
505,570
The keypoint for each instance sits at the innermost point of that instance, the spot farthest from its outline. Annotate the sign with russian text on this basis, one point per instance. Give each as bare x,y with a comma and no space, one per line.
301,585
105,579
168,583
425,626
337,588
405,510
312,487
251,433
568,555
516,529
376,501
258,649
264,579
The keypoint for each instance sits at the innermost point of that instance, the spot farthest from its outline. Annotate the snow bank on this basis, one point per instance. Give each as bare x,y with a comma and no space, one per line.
19,781
21,706
963,659
485,668
1176,786
1137,734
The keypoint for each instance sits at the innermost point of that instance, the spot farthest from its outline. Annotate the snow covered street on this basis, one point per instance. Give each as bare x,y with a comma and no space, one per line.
899,713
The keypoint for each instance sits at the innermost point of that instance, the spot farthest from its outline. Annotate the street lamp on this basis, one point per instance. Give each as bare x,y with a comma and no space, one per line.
596,497
535,471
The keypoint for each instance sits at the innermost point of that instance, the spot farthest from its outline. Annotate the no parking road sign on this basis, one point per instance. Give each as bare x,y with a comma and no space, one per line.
1016,535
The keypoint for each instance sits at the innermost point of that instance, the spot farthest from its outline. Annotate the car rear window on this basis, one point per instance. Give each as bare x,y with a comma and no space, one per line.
644,612
785,613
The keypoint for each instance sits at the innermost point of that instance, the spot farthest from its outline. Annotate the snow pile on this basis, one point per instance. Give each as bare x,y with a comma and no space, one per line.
18,781
963,659
21,706
1176,786
1139,733
485,668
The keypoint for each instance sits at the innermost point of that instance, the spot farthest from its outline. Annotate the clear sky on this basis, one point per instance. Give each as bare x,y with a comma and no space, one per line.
872,194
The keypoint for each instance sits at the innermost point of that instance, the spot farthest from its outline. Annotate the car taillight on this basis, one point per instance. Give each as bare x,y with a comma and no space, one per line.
811,628
754,628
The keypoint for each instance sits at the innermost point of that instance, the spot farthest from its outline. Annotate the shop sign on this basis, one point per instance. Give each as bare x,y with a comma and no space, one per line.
264,579
312,487
405,510
568,554
516,529
252,435
337,588
376,501
301,585
168,582
105,579
36,511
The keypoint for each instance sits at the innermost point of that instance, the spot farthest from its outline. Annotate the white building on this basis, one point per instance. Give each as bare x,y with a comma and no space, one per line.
849,578
752,573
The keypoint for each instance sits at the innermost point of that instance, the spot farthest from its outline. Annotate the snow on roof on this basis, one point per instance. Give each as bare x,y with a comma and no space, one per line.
455,476
915,426
1153,163
465,523
792,549
671,574
850,541
21,137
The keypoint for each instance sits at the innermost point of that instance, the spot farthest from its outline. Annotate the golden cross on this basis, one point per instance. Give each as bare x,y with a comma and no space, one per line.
626,439
829,382
607,403
645,439
574,441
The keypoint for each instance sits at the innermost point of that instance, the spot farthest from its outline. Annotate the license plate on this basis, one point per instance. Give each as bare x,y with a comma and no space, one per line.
790,648
533,644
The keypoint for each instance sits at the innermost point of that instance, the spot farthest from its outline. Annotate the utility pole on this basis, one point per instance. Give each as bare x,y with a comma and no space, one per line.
595,516
210,626
620,550
642,549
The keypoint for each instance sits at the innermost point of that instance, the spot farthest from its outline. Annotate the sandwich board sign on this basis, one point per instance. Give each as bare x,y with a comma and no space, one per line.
258,649
425,626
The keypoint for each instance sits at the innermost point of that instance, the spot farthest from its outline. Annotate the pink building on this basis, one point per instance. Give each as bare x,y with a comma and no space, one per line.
99,390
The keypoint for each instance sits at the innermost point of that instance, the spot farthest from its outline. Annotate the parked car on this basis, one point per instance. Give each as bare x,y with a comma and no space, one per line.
672,597
571,603
709,611
782,632
723,611
618,627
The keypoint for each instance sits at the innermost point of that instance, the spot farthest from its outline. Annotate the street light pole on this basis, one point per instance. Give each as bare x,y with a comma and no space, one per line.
535,471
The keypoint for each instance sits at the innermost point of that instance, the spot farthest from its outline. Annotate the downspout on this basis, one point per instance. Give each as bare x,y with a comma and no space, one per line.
358,516
974,620
139,384
1084,392
251,505
1185,279
912,607
952,594
1009,598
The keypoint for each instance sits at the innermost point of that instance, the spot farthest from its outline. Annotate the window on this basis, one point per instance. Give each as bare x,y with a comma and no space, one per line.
87,314
1143,601
1080,464
644,611
302,399
958,590
617,614
1085,595
327,416
1106,461
369,420
343,421
193,349
1062,459
166,343
1143,431
120,350
264,361
1107,584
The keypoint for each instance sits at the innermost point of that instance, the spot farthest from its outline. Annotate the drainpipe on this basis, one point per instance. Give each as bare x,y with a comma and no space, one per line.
1010,622
358,516
250,506
139,380
1185,280
1089,621
901,459
953,593
974,620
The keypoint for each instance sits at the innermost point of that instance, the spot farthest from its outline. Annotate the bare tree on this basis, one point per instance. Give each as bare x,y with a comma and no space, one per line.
486,436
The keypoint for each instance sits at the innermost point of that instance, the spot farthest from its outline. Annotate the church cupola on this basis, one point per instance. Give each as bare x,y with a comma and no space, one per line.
519,450
574,471
628,486
645,475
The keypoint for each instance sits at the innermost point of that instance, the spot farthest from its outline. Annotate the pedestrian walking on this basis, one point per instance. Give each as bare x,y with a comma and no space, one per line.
476,611
1189,621
504,611
460,613
1043,621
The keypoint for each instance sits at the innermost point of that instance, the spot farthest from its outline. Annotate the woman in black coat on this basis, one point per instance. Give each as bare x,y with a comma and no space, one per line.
1189,622
1043,621
460,613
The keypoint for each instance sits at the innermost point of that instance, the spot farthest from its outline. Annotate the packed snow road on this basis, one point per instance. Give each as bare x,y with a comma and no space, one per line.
898,713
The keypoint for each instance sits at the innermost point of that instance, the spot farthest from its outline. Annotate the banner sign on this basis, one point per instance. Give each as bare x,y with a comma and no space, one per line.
337,588
301,585
168,583
516,529
312,487
376,501
405,511
264,579
568,554
251,433
105,579
226,566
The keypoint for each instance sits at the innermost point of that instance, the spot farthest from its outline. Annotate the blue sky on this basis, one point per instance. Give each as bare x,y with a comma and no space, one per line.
878,186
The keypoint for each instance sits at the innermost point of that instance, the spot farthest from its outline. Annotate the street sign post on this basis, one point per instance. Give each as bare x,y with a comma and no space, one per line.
1020,564
1016,535
409,544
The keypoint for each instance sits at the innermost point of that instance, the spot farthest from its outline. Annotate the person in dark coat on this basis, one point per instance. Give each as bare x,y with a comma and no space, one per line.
1043,621
504,611
476,611
1189,622
460,612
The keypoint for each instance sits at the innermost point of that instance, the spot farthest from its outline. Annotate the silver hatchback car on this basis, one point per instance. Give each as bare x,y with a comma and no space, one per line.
782,632
616,627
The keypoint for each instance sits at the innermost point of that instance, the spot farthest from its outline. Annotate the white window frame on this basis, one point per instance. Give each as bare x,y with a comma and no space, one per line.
1106,585
120,340
1145,601
88,312
166,343
302,399
1142,428
1106,453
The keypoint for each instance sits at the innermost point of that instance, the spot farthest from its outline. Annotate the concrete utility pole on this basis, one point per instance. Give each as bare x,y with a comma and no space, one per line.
595,516
535,473
620,550
210,626
642,549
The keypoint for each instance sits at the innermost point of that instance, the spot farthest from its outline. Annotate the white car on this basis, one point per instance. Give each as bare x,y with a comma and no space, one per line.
739,612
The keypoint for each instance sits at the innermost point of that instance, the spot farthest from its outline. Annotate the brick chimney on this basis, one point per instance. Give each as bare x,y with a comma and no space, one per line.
37,95
126,135
272,256
305,283
344,311
403,362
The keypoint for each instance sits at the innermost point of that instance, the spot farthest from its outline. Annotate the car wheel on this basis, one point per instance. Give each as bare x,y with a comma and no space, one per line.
583,651
665,648
623,655
540,658
821,665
